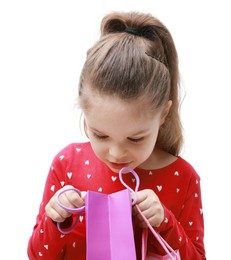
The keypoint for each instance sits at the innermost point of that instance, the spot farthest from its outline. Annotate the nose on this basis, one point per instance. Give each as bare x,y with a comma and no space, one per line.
117,153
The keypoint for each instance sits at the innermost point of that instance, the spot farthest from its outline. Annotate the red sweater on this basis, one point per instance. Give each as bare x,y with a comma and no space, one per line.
177,186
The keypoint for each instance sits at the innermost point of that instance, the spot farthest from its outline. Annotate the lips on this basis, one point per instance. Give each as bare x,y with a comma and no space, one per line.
118,165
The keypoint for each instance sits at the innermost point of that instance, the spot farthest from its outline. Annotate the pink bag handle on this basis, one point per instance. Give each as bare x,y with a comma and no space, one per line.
133,192
167,248
80,210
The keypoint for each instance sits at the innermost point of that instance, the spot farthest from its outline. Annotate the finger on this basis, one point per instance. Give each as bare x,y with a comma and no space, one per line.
74,199
61,211
143,195
150,202
154,218
55,214
83,195
147,214
70,198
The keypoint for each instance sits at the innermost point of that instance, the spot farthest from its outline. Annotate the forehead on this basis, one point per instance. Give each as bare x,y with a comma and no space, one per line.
109,104
107,112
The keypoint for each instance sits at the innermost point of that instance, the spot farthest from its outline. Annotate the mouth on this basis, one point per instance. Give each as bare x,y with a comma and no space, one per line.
117,166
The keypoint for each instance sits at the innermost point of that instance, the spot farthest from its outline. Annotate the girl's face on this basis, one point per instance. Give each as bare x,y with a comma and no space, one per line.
121,133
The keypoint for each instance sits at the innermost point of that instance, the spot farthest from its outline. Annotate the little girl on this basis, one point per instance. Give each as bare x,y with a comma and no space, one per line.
128,93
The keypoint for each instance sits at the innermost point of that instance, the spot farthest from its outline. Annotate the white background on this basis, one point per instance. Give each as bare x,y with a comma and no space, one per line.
42,49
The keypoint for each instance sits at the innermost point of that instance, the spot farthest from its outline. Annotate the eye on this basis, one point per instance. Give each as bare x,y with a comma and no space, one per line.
136,140
100,137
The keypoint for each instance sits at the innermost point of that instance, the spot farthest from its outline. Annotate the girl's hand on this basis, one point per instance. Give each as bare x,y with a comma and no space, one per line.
149,203
69,199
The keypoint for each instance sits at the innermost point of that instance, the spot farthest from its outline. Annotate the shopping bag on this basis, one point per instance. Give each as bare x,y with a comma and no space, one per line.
109,229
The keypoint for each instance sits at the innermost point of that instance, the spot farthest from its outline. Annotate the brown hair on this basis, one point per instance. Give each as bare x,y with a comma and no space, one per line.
136,57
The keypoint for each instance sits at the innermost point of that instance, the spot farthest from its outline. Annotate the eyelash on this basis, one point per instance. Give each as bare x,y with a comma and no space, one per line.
136,140
100,137
103,137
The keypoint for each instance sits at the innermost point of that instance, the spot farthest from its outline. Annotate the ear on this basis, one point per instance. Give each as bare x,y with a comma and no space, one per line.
165,111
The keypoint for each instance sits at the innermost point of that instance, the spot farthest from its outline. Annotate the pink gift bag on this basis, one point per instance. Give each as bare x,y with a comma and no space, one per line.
109,230
109,226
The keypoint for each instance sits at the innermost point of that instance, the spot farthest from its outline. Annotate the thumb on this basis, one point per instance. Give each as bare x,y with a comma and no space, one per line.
83,195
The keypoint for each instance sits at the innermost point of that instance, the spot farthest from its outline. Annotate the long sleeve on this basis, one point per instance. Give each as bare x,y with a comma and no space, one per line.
184,230
45,231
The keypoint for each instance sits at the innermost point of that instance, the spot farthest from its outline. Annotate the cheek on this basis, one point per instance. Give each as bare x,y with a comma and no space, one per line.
98,148
147,148
140,152
145,151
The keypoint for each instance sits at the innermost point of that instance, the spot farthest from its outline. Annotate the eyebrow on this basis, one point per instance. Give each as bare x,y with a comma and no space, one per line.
141,132
134,134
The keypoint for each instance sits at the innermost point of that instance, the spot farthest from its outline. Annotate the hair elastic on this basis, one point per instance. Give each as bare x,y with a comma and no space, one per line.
133,31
